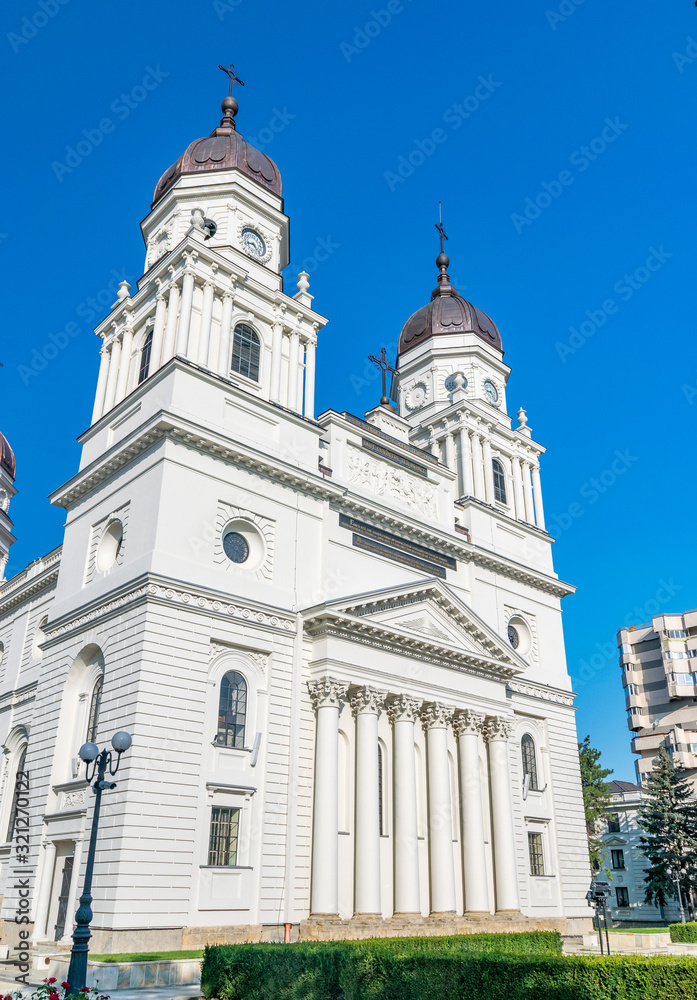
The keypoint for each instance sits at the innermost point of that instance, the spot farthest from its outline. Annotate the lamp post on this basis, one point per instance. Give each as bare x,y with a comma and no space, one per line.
675,876
98,762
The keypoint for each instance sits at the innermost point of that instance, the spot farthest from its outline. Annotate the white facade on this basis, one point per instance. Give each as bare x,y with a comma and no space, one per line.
626,863
378,778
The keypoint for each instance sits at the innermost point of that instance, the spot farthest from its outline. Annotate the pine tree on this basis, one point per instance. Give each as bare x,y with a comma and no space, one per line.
668,818
597,798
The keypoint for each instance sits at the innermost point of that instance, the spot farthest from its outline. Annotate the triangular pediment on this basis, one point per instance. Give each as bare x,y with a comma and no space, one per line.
426,615
615,842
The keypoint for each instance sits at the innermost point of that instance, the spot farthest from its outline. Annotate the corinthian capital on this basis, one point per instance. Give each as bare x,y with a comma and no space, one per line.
468,723
402,708
327,692
367,701
435,715
497,727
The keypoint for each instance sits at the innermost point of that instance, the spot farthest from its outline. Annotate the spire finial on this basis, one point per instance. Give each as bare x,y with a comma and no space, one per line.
385,367
230,106
442,260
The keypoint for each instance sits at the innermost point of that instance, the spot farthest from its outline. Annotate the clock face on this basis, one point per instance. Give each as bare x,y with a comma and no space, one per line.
491,391
450,385
253,243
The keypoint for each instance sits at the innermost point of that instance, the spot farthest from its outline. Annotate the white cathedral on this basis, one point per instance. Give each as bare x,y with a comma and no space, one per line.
336,640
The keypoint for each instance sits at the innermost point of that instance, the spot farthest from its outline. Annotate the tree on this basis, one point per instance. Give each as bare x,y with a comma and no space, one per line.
597,798
668,818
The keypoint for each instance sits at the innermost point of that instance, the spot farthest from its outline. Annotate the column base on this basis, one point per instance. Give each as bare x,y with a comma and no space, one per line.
509,915
324,916
406,915
477,915
443,914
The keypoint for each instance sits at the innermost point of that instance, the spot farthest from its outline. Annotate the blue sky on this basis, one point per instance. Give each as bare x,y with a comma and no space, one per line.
560,139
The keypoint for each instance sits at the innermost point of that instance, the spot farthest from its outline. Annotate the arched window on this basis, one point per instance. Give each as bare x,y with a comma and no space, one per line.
145,353
245,352
19,790
527,750
499,481
93,717
232,711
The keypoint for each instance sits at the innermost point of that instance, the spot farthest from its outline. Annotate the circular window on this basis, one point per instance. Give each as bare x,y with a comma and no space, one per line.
235,547
109,546
451,382
519,635
244,544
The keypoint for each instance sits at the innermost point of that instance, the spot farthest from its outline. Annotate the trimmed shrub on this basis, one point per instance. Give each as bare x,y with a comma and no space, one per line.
313,970
372,976
683,933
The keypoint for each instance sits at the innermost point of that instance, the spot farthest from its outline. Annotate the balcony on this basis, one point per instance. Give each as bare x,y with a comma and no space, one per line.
676,690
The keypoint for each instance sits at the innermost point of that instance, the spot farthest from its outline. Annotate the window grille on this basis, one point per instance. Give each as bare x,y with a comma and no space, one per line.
499,481
613,823
145,359
617,859
232,710
246,352
537,861
527,750
225,829
95,704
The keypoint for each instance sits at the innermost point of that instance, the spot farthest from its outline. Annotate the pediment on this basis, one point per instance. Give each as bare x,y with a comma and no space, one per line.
615,842
427,615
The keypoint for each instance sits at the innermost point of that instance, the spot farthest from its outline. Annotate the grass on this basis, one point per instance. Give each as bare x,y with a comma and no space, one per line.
639,930
147,956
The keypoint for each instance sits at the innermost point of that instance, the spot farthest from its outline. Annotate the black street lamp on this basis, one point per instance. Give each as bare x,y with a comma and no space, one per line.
98,762
677,876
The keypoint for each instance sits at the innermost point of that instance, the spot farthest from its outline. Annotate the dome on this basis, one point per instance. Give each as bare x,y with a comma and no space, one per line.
7,457
223,149
447,312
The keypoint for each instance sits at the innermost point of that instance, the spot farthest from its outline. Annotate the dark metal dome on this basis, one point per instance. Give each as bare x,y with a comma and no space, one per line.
223,149
447,312
7,457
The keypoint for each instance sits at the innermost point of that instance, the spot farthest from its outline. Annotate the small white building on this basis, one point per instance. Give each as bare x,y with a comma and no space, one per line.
626,862
336,640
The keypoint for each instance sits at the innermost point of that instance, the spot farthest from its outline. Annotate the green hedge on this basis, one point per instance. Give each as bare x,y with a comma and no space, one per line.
469,967
313,970
381,977
683,933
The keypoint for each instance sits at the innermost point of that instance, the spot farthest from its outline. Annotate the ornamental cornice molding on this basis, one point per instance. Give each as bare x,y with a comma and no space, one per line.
28,585
532,690
260,657
383,637
165,592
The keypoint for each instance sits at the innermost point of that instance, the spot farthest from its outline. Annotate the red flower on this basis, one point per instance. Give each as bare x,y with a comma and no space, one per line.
51,980
53,996
66,986
84,989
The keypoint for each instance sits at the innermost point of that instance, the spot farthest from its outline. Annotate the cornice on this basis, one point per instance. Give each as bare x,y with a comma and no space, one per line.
38,576
380,636
161,590
18,696
542,692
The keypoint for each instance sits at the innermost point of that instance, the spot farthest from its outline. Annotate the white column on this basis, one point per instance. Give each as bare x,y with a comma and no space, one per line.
537,493
171,323
450,456
488,470
403,712
468,725
293,371
204,339
276,356
114,359
310,378
327,696
440,823
300,401
527,489
518,488
43,898
185,313
478,465
466,461
101,384
225,348
366,704
497,731
125,364
158,332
